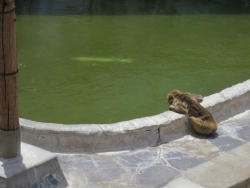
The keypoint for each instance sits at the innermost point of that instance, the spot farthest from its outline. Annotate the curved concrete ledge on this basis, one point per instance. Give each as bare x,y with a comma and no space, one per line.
142,132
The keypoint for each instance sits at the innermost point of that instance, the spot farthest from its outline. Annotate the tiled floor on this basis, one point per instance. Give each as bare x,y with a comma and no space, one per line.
152,166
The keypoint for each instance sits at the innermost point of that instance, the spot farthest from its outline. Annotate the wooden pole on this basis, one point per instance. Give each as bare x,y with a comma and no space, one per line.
9,118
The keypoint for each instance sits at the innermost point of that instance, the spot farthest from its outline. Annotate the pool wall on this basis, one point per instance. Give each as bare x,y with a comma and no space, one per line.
132,134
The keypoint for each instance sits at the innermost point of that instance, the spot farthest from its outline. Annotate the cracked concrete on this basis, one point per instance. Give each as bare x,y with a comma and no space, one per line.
159,136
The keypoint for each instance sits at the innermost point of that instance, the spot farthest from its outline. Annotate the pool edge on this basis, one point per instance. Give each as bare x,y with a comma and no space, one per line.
132,134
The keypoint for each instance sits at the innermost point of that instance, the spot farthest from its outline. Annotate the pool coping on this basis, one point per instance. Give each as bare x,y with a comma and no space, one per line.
132,134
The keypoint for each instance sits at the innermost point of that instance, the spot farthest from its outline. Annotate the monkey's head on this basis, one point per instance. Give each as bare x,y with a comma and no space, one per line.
172,95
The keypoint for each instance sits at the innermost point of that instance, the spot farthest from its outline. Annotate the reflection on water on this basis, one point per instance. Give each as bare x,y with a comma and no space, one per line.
107,61
100,59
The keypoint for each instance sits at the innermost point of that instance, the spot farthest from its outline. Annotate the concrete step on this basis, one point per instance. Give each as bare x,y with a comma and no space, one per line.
230,169
29,168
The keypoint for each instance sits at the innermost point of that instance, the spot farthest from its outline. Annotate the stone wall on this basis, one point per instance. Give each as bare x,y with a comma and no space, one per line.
136,133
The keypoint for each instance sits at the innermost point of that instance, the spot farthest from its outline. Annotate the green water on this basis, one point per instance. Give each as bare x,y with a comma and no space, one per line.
104,69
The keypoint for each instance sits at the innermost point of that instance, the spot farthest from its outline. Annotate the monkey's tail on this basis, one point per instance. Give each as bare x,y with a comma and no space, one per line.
204,126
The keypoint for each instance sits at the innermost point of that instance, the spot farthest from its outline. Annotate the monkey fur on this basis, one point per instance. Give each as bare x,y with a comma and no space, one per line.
200,118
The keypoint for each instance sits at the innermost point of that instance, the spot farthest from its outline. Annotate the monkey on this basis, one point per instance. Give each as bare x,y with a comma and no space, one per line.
199,117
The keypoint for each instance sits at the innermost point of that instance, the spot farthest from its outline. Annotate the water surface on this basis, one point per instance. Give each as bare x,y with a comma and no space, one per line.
98,67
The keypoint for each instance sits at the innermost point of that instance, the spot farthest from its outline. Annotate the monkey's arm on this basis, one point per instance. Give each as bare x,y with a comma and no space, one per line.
179,108
197,97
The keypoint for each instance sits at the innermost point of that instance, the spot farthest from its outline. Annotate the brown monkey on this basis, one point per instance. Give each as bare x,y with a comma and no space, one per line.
186,103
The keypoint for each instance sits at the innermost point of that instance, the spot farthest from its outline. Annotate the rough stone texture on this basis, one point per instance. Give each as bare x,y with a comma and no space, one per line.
226,143
176,129
149,167
225,170
29,167
229,101
142,132
182,183
195,161
194,146
52,180
243,151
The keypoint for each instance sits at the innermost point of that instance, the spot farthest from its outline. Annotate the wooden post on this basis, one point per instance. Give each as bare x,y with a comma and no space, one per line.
9,118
